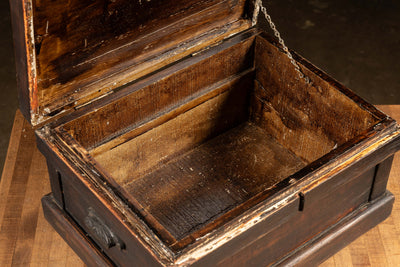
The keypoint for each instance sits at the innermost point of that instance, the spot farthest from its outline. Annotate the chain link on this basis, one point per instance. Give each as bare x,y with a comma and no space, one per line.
259,7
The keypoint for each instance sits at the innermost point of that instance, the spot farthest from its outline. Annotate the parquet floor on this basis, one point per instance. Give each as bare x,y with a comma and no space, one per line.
26,239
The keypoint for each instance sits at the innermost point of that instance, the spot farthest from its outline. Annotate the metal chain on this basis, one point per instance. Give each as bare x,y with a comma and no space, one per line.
258,7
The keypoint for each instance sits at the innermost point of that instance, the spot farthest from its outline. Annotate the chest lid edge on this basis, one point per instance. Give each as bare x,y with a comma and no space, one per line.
70,54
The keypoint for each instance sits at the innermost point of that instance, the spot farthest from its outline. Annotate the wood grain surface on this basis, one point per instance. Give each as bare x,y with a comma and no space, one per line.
63,48
26,239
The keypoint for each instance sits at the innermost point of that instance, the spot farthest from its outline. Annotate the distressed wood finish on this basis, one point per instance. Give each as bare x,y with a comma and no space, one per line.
221,174
155,144
248,91
180,136
163,92
148,175
23,58
317,116
28,239
71,53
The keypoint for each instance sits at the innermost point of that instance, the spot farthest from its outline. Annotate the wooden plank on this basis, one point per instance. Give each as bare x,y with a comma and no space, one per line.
41,245
139,155
21,50
223,172
382,243
11,219
163,92
309,119
390,244
70,46
10,161
359,255
58,250
30,210
25,236
375,248
342,258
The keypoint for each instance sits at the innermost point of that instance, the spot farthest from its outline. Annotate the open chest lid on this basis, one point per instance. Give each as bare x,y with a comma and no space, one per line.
70,53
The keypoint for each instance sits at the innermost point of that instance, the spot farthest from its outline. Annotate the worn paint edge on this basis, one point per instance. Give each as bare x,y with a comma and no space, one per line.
215,239
31,61
105,195
238,227
251,220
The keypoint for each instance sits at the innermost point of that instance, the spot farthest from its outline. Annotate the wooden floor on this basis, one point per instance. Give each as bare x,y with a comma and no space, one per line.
26,239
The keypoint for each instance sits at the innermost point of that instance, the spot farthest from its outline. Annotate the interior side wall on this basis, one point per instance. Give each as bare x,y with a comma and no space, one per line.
309,119
155,96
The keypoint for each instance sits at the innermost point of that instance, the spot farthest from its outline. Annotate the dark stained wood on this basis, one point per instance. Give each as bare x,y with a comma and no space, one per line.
316,251
21,50
104,198
200,186
379,246
310,119
354,170
380,180
213,117
342,234
129,162
56,185
133,250
72,45
282,231
73,235
168,90
207,149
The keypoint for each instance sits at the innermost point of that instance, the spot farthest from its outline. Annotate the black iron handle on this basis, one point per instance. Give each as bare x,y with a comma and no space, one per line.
101,231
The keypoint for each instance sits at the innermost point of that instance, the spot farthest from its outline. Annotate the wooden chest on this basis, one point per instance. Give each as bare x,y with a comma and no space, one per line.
177,134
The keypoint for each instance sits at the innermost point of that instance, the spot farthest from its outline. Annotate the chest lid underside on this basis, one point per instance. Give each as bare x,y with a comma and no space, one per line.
70,53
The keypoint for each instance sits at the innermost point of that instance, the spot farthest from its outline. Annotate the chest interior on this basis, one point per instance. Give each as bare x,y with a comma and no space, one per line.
198,142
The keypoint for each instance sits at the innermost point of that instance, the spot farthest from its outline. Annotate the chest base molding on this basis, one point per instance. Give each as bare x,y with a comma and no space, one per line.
313,252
